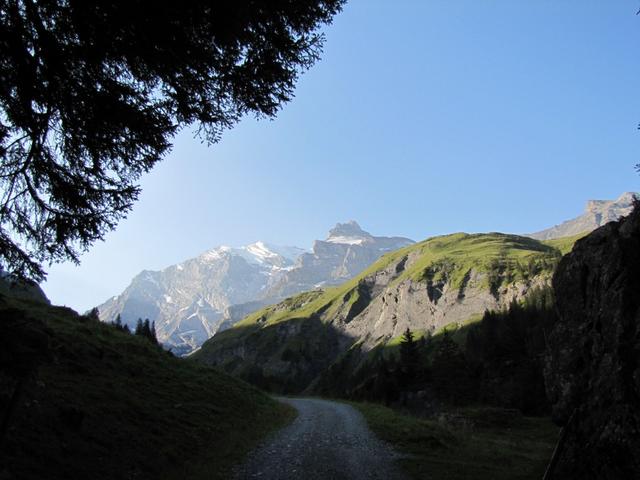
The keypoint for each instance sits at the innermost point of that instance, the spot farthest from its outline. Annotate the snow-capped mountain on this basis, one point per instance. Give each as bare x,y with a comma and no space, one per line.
190,301
346,252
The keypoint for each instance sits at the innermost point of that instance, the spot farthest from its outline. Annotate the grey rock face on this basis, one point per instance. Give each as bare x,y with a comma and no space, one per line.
292,356
592,371
597,213
191,301
346,252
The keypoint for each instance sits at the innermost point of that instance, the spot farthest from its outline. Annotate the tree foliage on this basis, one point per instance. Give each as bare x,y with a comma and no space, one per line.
91,94
147,330
409,358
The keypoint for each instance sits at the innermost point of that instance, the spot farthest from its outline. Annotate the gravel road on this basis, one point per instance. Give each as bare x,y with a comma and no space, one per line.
328,441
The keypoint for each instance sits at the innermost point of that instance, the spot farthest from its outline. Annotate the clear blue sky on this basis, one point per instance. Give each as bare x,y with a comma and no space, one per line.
422,118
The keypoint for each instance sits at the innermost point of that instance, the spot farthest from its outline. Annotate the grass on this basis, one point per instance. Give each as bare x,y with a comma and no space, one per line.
565,244
502,258
472,443
107,405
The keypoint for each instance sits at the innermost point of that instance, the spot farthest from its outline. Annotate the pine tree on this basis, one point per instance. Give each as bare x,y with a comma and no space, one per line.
93,93
147,330
409,358
118,323
154,337
94,315
450,373
139,327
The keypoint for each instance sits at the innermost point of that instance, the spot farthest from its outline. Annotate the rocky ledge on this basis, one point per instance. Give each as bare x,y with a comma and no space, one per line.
592,369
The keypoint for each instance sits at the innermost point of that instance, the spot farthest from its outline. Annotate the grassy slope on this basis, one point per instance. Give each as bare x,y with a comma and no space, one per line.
108,405
565,244
456,254
479,444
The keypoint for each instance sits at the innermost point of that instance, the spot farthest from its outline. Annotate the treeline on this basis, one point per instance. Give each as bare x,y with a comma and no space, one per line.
496,361
144,328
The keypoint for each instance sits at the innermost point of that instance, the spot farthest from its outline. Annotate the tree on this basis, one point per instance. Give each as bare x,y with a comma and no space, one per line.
93,314
152,334
123,327
147,330
450,374
92,93
409,357
139,327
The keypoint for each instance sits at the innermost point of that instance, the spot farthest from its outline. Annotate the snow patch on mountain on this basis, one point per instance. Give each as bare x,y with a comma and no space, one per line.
346,240
191,300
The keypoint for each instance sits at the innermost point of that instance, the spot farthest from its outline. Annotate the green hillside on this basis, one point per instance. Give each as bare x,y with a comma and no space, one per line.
565,244
287,346
503,258
98,403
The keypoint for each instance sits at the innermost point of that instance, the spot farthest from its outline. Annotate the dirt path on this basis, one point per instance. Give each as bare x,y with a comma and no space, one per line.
328,441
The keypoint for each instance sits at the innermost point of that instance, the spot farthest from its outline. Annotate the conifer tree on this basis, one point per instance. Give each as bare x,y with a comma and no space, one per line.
147,330
154,337
93,93
118,323
450,374
139,327
409,357
94,314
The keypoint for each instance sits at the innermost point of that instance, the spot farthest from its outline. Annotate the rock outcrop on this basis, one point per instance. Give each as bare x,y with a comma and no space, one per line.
191,301
597,213
442,281
592,371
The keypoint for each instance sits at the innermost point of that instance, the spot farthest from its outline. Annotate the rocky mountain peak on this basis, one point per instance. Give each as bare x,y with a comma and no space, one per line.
343,232
597,213
191,300
623,202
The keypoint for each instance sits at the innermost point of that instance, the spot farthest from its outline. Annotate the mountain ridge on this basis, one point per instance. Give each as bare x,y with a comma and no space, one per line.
441,281
596,214
192,300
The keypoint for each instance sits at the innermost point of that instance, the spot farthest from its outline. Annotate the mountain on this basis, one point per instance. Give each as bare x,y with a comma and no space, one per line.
191,301
597,213
187,301
592,361
347,251
442,282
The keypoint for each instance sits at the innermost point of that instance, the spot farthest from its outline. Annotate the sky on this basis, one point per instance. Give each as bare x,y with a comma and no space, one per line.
422,118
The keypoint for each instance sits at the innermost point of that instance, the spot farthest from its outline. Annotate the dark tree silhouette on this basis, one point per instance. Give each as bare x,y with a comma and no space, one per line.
93,314
91,94
147,330
123,327
139,327
450,376
409,357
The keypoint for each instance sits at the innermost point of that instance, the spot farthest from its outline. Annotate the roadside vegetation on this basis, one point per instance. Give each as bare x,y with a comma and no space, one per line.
83,399
467,443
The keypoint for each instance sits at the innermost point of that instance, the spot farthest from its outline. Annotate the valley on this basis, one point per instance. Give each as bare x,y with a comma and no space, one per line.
432,362
175,305
442,283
